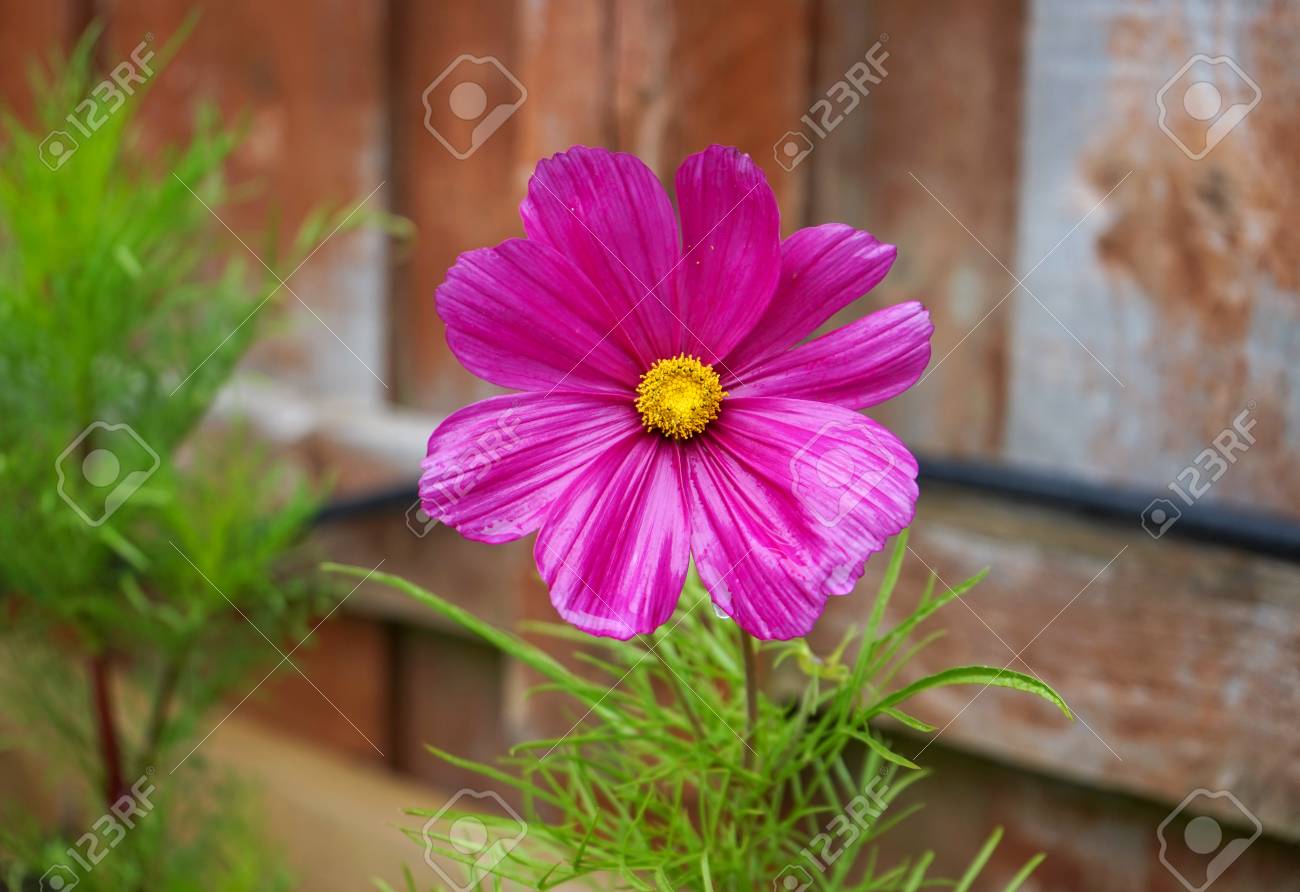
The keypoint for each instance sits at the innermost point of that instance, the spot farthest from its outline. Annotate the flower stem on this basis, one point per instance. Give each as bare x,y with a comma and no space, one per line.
751,696
680,693
110,749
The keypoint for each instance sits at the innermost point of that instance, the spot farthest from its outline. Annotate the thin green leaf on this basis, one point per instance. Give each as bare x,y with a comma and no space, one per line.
917,876
975,675
1019,879
885,752
981,859
910,721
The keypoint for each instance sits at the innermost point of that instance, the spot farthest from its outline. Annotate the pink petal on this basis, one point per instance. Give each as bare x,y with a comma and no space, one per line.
748,543
731,244
608,213
521,315
788,500
494,469
864,363
823,269
615,549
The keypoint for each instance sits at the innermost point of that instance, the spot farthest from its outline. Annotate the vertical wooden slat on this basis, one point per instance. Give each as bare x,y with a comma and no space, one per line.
641,33
310,81
567,63
687,75
456,205
947,115
738,76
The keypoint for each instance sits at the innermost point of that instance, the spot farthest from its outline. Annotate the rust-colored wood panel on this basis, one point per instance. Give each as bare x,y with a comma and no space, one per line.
30,34
736,74
945,117
838,165
1182,660
1184,284
449,695
456,204
309,78
567,61
643,103
346,660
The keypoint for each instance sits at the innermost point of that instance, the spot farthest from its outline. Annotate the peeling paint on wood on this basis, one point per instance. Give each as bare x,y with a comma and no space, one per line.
1183,283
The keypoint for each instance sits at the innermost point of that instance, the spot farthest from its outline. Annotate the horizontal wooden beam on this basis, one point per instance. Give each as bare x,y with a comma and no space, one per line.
1180,659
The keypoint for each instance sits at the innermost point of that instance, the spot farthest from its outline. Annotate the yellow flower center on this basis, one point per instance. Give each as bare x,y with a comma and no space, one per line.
679,396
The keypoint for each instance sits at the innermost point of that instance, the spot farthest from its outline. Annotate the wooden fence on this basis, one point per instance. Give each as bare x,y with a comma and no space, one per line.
1106,306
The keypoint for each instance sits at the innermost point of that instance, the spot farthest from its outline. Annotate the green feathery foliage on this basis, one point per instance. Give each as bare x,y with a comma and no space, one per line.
125,306
667,782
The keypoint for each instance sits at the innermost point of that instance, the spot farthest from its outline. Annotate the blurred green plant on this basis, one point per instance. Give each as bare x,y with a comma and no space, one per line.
681,772
186,844
129,547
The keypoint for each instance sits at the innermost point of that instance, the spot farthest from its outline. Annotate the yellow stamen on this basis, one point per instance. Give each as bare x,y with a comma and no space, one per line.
679,396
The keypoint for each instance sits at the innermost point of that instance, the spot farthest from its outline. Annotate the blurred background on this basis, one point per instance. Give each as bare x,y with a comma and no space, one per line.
1097,201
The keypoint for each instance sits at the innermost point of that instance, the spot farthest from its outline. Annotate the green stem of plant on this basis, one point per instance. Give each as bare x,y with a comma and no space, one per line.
168,681
751,696
680,692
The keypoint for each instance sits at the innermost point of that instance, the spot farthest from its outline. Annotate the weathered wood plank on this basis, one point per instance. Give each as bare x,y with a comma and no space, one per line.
455,204
315,115
1094,842
1181,660
946,118
569,103
1184,284
735,74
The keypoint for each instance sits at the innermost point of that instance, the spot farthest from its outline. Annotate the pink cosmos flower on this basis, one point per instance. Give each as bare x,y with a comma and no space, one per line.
665,407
